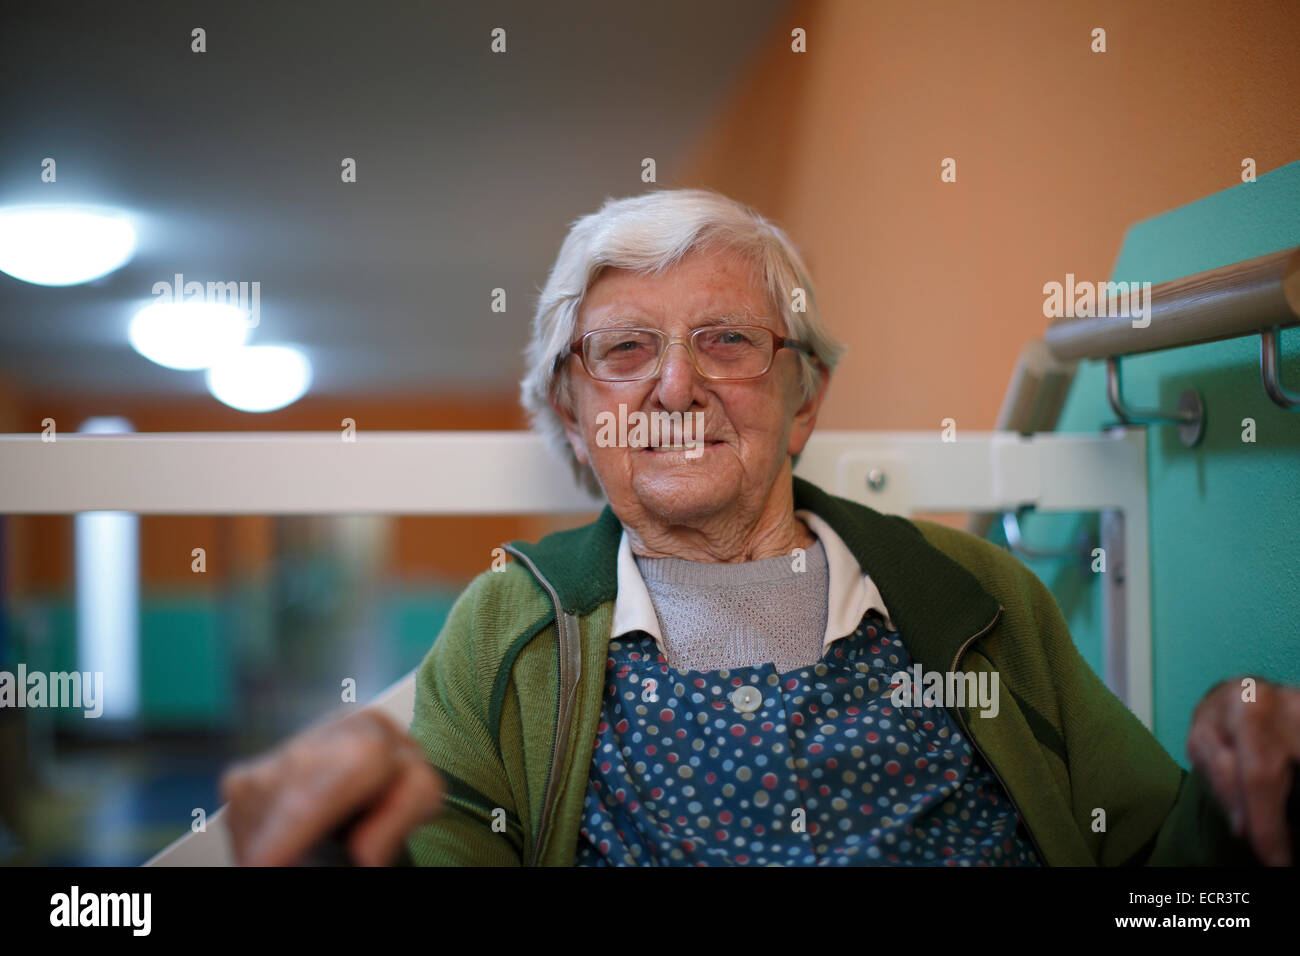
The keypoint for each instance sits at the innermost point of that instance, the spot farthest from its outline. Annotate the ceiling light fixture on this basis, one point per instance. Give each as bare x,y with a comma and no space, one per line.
260,378
187,335
63,245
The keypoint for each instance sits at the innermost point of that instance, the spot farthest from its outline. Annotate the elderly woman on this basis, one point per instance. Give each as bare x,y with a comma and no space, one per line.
710,672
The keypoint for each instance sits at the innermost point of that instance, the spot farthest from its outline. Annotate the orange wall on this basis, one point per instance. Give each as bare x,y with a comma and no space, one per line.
935,286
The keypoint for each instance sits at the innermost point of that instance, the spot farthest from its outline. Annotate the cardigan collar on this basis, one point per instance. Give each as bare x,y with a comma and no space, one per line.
934,602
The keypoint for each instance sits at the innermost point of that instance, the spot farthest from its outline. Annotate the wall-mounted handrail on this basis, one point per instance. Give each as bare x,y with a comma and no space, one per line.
1037,391
1080,552
1245,298
1259,296
1033,402
1270,357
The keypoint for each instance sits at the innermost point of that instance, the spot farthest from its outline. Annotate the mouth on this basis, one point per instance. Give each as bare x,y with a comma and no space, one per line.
697,447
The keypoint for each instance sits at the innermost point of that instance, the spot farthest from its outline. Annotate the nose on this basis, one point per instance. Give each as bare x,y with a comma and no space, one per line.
677,379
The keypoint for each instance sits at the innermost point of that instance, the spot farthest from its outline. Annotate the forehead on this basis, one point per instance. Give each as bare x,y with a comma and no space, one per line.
702,286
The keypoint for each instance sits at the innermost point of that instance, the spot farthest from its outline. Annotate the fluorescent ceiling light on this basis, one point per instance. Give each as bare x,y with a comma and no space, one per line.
63,245
260,378
187,335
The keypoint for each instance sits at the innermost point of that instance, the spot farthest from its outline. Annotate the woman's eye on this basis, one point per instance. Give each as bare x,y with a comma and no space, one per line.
727,337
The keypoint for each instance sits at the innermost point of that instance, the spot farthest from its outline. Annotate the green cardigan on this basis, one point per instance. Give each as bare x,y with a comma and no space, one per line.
508,699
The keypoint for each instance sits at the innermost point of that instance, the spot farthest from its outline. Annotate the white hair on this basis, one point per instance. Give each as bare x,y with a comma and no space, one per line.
647,234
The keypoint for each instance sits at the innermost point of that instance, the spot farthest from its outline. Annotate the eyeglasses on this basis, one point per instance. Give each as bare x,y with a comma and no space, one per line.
719,352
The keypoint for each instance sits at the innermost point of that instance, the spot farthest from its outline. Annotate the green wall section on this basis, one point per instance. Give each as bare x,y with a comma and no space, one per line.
192,649
186,671
187,675
414,619
1225,515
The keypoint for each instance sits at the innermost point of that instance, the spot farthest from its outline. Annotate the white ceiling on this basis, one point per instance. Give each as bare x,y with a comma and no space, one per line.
470,166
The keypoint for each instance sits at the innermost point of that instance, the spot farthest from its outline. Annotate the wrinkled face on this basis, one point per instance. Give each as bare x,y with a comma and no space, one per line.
750,428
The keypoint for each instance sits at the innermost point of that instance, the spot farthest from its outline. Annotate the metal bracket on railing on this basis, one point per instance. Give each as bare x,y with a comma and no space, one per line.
1270,360
1084,542
1190,416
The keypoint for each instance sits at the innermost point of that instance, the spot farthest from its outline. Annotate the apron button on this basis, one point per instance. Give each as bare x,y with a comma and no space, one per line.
747,699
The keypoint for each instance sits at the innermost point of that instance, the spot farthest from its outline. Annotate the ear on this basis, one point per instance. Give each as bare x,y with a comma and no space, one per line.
571,430
805,417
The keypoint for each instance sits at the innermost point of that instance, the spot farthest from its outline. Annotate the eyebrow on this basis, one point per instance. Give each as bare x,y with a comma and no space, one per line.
735,317
731,318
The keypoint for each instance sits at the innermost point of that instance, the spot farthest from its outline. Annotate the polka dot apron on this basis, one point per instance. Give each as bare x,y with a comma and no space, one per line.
809,767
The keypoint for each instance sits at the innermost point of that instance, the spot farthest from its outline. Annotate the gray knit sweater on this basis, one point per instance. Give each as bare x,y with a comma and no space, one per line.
715,616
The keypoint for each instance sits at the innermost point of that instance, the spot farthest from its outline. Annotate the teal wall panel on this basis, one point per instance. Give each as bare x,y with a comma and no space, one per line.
193,646
414,619
186,673
1225,515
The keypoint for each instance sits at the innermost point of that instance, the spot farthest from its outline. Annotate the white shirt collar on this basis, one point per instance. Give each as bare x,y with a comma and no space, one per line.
851,591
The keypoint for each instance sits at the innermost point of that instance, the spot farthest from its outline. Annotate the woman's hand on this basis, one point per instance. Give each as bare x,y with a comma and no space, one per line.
1246,749
363,766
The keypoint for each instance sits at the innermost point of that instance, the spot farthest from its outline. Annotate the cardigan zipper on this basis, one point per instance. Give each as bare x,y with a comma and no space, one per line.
971,737
570,662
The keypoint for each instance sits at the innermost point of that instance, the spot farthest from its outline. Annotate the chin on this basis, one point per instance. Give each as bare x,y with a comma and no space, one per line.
684,491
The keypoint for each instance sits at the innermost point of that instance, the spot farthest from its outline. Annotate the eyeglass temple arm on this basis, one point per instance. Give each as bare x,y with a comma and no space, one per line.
783,343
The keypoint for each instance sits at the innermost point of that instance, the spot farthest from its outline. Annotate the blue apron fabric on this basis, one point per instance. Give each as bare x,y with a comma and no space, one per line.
813,766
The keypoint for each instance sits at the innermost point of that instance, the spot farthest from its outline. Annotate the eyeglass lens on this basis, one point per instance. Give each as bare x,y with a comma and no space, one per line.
724,352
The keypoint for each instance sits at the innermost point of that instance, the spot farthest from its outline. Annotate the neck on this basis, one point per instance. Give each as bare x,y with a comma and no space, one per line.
752,535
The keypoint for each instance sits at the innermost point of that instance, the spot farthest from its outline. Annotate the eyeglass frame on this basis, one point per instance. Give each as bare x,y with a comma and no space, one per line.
779,342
